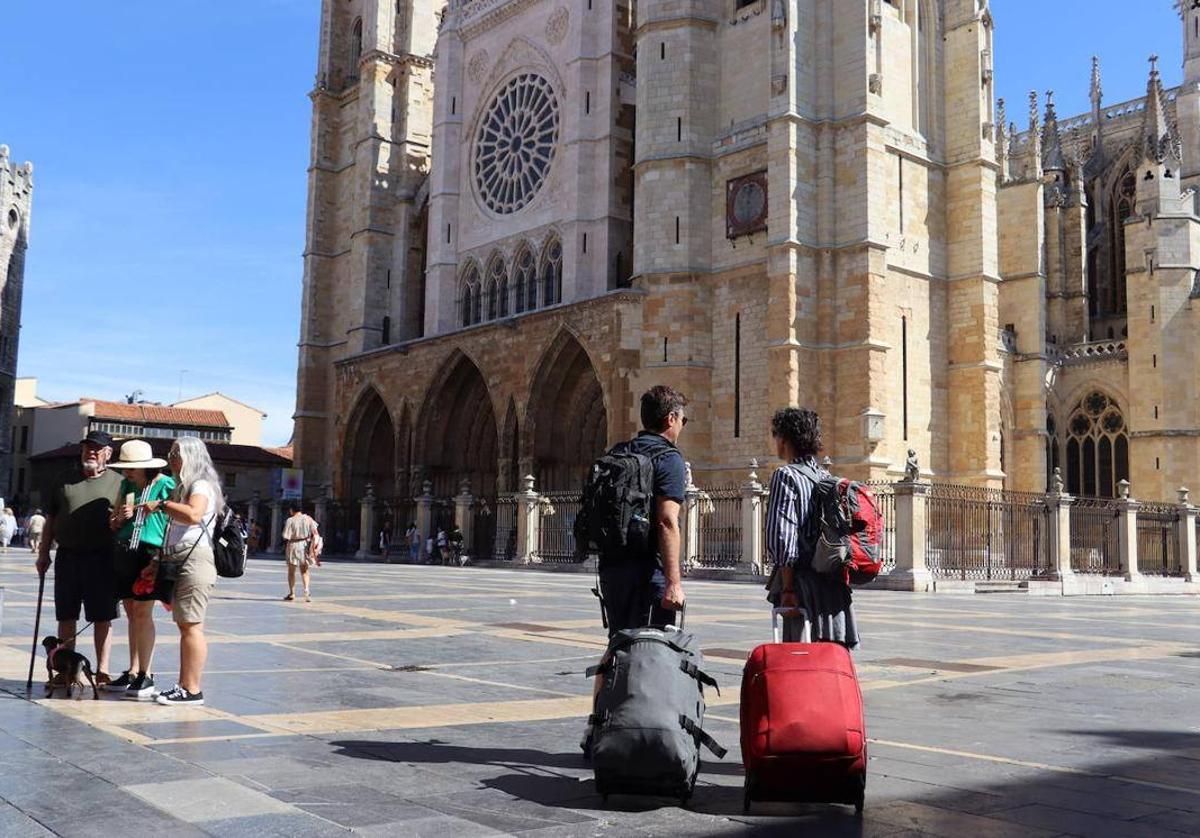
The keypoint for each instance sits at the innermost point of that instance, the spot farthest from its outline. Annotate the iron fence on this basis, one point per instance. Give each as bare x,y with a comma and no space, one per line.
885,495
719,530
556,535
986,534
1158,540
340,532
483,529
505,546
1094,536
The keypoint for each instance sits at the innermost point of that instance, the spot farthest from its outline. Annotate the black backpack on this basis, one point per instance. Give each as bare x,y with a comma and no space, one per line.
617,504
229,545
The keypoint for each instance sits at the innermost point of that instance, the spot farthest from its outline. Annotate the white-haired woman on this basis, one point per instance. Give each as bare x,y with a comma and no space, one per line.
188,556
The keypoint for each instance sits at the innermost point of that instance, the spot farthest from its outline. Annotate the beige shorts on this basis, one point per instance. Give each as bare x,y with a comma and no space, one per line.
196,580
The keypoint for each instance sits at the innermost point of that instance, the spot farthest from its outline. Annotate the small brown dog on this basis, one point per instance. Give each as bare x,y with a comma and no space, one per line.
68,663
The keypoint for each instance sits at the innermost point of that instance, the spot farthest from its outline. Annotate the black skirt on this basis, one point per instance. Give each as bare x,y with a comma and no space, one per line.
129,565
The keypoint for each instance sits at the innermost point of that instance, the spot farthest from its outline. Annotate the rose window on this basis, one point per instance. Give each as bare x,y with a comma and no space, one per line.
516,143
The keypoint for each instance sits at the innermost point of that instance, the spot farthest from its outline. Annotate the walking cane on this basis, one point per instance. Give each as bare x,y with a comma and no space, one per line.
37,625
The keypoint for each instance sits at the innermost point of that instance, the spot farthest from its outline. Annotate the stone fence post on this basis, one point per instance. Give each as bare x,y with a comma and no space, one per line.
1059,503
425,519
276,526
911,572
463,519
366,523
529,522
1187,536
690,531
1127,510
753,493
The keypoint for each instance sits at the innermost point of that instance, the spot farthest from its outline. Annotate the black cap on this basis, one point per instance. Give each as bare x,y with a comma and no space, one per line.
97,438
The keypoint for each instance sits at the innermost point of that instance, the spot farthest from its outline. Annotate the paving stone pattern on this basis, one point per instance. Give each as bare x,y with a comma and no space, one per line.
435,701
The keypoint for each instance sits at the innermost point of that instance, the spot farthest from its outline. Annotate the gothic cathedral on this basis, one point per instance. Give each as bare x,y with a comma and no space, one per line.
522,213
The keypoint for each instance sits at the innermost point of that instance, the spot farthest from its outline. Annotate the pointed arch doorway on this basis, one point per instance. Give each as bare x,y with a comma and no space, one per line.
370,449
567,422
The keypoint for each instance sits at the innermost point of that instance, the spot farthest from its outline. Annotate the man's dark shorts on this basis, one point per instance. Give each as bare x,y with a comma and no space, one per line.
633,595
86,579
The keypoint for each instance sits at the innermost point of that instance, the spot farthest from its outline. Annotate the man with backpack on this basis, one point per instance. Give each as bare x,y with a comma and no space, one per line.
630,519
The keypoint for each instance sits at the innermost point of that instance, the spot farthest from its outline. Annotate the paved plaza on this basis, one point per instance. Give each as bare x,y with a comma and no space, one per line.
432,701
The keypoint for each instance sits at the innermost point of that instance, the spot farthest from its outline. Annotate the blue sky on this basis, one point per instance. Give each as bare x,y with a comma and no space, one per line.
170,142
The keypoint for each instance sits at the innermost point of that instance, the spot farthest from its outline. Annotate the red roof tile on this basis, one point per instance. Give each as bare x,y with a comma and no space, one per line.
155,414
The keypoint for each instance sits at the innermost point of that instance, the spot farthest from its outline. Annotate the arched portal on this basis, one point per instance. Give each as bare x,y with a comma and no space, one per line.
567,422
456,438
370,448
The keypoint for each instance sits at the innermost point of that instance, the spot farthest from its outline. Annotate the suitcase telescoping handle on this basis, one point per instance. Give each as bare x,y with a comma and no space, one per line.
777,615
682,616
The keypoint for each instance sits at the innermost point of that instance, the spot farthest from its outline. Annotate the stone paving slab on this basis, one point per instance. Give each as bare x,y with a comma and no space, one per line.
444,701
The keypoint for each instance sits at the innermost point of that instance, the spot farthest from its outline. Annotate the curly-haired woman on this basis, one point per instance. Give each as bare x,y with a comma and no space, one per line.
791,534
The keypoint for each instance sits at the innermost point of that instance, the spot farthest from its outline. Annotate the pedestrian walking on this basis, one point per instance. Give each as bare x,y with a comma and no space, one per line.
454,539
791,536
642,585
79,509
299,534
443,545
412,540
8,528
37,523
385,540
140,538
187,558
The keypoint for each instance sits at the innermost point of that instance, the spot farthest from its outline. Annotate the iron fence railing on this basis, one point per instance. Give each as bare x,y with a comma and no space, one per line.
885,494
505,546
340,532
556,535
483,529
986,534
1158,540
1094,536
719,530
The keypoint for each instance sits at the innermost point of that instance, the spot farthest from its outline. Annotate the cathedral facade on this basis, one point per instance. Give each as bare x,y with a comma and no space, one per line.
523,213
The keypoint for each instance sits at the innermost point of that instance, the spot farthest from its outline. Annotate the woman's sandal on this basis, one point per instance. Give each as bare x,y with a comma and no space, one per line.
289,598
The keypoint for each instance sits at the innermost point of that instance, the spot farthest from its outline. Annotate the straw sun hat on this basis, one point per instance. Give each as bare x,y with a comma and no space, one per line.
137,454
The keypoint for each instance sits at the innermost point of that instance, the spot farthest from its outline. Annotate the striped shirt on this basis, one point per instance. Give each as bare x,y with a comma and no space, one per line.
788,535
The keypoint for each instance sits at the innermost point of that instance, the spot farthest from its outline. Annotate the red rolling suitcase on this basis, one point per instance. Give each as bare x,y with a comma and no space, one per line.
804,738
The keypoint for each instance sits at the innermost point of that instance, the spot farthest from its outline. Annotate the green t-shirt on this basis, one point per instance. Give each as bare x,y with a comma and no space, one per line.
80,507
154,527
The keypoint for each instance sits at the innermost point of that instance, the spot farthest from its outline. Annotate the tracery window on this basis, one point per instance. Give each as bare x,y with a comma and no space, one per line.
496,276
1109,297
516,142
1097,447
471,301
552,274
524,278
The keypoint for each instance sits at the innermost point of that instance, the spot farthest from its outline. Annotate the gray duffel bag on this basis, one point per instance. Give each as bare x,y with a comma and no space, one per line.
649,714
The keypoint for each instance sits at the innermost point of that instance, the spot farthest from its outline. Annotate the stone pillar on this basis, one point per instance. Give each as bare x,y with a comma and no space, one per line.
1187,536
1127,531
321,507
753,560
690,530
276,526
425,518
1060,529
463,519
529,521
366,523
252,514
911,573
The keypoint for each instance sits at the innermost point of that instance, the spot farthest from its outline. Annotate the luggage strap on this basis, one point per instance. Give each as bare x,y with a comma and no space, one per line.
690,668
598,669
702,737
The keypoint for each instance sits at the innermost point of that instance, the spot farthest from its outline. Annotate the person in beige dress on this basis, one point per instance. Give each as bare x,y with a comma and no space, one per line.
299,535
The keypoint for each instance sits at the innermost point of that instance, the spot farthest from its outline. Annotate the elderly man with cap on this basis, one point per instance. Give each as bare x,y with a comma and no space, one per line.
78,519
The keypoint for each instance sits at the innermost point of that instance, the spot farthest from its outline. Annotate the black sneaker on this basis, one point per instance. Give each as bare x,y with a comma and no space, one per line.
178,695
120,684
141,688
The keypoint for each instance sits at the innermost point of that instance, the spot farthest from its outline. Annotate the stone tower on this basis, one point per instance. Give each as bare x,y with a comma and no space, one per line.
364,255
1188,101
16,197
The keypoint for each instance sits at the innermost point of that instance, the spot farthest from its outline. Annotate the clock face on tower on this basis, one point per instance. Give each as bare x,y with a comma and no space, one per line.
746,205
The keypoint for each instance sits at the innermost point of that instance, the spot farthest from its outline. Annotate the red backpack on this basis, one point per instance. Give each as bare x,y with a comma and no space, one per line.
848,527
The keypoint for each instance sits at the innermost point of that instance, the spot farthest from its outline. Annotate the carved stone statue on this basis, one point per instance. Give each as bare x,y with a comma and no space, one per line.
912,468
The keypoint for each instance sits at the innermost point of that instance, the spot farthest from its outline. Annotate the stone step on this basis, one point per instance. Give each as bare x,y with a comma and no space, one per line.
997,586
